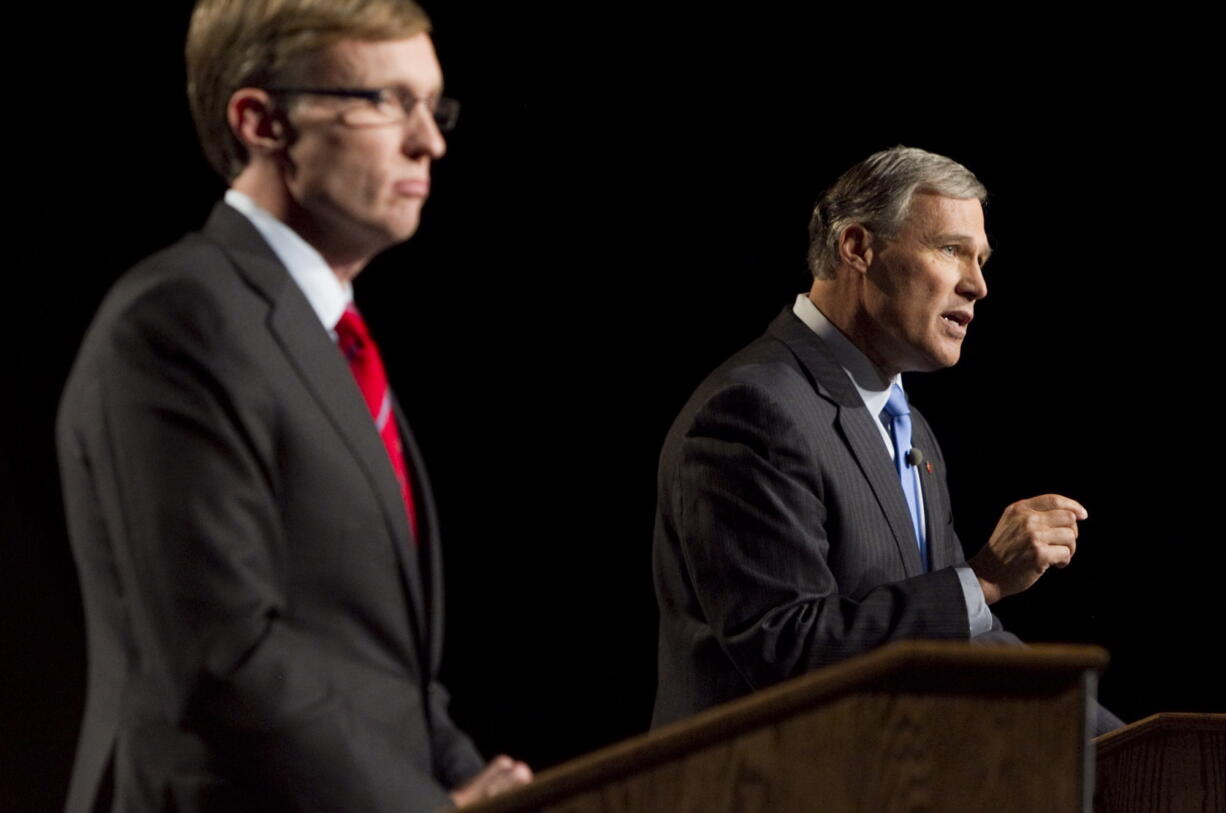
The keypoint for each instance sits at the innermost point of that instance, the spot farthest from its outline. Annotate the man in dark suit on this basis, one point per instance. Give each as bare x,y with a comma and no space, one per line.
252,523
803,515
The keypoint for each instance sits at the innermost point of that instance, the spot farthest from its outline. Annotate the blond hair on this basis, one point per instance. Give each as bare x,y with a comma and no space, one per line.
233,44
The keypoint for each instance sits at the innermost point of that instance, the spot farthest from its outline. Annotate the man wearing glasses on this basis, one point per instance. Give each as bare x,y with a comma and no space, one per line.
252,523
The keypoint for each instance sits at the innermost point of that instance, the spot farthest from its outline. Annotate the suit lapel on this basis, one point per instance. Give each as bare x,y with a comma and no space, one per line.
429,553
322,368
858,428
934,507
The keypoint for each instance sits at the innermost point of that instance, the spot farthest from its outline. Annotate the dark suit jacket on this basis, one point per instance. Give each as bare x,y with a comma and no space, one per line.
263,633
782,540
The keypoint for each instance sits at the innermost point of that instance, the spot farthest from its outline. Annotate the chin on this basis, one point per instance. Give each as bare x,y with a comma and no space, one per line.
404,228
943,360
933,359
395,222
397,230
403,234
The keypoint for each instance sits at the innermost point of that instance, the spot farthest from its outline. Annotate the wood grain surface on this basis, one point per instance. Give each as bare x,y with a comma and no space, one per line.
1167,763
916,726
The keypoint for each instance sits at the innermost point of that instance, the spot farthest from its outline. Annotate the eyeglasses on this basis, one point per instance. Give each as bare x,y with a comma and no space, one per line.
386,105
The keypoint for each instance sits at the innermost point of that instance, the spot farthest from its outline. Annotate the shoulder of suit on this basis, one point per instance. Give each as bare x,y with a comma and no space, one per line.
187,291
764,377
766,362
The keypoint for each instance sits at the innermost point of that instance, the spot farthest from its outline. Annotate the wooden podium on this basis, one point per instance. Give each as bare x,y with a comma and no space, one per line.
1167,763
915,725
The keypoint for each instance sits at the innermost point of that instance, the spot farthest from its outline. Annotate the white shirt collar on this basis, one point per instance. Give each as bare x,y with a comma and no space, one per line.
874,389
874,392
322,288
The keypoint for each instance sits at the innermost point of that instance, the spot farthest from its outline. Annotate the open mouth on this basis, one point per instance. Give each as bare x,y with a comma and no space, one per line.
958,318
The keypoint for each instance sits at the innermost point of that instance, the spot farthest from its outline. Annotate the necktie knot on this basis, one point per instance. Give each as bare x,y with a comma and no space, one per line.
896,406
351,332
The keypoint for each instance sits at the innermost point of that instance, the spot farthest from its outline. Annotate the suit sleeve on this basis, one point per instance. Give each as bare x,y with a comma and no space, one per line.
192,496
1104,720
995,633
751,501
456,759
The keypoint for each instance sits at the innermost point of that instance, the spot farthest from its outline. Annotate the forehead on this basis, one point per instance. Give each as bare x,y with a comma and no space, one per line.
410,62
932,214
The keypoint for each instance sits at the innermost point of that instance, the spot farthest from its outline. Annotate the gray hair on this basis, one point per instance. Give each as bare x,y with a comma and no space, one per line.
876,193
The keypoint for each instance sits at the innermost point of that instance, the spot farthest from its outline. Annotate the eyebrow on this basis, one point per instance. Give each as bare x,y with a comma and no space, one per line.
352,79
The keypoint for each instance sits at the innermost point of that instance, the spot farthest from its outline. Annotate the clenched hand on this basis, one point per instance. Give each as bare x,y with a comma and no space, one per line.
1031,536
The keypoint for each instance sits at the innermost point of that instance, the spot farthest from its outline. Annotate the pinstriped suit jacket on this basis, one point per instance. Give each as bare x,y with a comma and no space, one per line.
782,539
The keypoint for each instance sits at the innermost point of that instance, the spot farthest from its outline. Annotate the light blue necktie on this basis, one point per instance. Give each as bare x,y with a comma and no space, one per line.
900,428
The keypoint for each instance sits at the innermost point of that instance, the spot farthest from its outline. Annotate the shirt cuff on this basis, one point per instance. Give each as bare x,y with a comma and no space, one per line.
977,612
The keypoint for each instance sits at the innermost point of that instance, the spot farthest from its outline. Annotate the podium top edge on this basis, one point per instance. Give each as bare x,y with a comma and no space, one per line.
1166,722
933,666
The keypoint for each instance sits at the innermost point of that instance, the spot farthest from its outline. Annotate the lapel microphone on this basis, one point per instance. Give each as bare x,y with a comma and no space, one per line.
914,457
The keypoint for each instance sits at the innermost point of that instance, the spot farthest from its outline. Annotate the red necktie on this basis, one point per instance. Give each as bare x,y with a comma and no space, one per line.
363,357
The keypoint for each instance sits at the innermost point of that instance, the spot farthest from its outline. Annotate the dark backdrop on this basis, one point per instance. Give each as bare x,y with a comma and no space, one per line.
624,204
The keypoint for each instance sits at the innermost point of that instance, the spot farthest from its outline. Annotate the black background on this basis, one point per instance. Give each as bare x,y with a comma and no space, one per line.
624,204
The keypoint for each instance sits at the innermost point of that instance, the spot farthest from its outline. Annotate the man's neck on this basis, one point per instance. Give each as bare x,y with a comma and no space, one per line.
841,307
269,193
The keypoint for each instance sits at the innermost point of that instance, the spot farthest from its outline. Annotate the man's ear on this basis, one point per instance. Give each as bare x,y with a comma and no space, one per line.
856,247
256,122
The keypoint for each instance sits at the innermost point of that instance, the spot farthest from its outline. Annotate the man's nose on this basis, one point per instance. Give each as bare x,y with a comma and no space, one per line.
422,137
973,285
